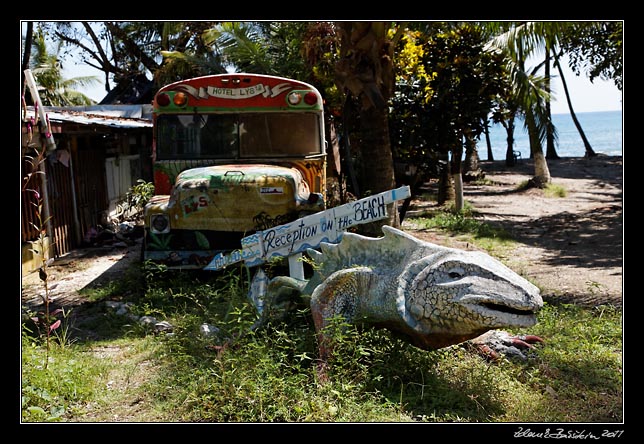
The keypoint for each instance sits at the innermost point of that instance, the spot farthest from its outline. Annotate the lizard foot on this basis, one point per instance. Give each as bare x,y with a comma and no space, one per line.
496,343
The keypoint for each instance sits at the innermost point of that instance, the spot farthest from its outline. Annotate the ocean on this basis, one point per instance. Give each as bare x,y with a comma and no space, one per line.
603,129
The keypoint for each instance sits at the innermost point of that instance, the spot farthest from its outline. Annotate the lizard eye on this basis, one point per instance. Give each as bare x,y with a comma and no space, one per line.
455,273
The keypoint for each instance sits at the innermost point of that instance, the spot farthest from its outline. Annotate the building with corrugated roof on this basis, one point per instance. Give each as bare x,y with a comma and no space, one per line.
100,152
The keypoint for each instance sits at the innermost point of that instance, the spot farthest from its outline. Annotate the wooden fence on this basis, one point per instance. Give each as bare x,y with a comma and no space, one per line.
72,211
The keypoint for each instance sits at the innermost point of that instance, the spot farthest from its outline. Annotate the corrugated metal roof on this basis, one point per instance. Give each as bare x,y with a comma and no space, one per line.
115,116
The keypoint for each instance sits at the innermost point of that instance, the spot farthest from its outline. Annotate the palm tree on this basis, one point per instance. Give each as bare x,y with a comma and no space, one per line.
505,113
589,149
551,131
547,35
47,70
241,46
274,48
530,92
365,71
550,33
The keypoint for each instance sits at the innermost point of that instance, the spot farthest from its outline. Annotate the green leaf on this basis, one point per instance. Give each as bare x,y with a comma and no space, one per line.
57,412
34,410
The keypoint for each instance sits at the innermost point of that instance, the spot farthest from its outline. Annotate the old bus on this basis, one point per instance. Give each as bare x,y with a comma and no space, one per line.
232,154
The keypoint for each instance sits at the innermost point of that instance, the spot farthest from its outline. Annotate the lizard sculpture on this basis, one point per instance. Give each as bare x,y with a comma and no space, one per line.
433,296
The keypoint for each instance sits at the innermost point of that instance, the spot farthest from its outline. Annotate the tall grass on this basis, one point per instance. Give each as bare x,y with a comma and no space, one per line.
236,374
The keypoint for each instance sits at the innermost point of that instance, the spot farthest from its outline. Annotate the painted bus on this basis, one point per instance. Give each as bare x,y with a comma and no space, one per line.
232,154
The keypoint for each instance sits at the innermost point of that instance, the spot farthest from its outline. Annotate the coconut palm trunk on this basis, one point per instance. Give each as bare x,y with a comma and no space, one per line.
365,70
470,168
541,171
376,152
488,142
509,152
551,151
589,149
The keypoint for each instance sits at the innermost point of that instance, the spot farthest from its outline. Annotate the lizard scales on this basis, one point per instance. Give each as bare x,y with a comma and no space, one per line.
434,296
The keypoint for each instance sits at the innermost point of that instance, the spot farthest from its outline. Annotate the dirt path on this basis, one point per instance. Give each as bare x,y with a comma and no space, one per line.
571,246
77,270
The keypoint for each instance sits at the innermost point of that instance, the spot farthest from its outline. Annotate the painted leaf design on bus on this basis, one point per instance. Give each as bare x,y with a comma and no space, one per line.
202,241
160,242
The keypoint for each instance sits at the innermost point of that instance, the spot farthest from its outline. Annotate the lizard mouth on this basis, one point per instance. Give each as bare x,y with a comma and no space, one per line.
505,309
504,315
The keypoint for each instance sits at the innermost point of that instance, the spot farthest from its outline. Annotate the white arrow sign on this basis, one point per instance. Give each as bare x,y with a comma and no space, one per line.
308,232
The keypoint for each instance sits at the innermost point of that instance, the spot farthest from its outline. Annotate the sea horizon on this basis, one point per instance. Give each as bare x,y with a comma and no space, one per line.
603,130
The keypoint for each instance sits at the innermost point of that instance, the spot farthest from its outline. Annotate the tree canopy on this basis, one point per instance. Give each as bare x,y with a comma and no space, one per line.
420,90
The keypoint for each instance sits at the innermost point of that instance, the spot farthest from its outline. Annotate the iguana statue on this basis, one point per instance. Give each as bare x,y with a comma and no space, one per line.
433,296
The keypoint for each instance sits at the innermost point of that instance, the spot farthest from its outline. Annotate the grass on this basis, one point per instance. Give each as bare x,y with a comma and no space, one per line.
127,372
466,227
555,190
551,189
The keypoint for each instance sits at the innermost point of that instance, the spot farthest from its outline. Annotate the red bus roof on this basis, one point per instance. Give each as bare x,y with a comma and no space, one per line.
237,90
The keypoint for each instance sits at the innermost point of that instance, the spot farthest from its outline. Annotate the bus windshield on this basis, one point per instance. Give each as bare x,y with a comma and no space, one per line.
237,135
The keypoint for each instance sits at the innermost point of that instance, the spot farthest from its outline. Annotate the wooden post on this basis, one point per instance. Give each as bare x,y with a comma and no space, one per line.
295,266
33,89
51,146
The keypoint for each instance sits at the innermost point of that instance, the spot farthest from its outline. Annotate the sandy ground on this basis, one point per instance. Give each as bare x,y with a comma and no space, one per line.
571,246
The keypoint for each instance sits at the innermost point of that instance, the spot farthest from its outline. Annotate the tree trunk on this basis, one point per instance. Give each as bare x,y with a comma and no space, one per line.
458,192
589,149
456,171
376,151
541,172
551,151
445,184
365,70
470,169
509,152
488,142
348,168
377,160
26,57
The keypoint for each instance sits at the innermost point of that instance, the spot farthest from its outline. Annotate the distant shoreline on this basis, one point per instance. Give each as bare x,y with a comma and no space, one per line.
603,166
589,112
603,129
598,156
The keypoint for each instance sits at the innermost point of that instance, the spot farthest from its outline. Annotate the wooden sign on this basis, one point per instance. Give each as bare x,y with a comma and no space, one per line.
310,231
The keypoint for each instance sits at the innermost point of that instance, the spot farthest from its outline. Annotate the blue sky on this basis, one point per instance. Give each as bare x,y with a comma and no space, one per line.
586,96
600,95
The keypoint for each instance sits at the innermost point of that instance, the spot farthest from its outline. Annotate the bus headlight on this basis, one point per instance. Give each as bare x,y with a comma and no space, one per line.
180,99
159,223
302,99
294,98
